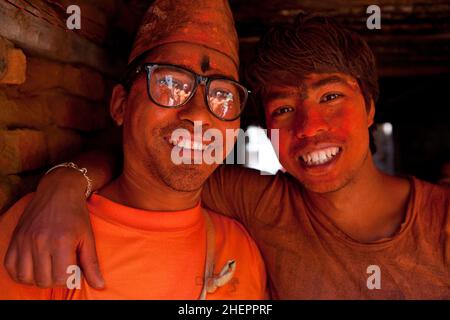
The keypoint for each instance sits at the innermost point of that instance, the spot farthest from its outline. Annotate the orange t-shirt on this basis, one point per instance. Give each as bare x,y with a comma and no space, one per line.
308,257
151,255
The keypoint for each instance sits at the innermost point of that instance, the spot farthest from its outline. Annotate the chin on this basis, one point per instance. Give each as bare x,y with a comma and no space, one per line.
322,184
187,178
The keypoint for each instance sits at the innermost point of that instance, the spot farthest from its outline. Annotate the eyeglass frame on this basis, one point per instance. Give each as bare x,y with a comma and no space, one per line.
148,67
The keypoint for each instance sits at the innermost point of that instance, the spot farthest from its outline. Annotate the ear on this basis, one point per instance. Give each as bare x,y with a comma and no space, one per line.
371,113
118,104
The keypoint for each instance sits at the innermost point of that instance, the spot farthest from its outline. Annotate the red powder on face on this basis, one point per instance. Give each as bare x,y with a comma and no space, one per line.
330,114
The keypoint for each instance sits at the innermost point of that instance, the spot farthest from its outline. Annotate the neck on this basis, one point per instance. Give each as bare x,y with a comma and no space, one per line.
147,192
370,207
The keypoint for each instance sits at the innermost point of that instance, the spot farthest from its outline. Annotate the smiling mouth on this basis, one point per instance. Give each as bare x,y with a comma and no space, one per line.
189,144
320,157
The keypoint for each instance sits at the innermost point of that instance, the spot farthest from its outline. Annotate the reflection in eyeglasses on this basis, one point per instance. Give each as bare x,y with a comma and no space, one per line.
221,103
171,86
170,92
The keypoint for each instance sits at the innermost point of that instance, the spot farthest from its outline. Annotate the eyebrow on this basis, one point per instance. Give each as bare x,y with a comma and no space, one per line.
328,80
274,95
277,95
216,74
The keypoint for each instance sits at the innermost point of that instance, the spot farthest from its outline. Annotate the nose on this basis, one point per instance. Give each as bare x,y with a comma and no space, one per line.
310,121
196,109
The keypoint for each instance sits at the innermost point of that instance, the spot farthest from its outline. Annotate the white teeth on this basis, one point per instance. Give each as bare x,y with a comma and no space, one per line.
315,157
323,157
188,144
320,156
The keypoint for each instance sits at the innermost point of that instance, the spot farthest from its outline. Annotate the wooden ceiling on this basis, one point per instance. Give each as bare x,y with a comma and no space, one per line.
414,39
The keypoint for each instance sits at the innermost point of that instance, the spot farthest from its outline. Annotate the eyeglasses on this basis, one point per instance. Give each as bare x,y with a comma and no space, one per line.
171,86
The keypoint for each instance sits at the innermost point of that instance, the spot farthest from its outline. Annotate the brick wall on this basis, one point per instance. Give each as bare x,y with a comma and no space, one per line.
53,96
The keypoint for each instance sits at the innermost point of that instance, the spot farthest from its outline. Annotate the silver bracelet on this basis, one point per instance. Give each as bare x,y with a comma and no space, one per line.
82,170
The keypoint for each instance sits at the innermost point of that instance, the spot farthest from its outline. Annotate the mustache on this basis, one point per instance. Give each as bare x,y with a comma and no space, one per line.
168,129
303,143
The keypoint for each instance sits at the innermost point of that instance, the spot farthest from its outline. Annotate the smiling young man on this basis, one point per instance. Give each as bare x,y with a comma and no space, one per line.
333,226
153,238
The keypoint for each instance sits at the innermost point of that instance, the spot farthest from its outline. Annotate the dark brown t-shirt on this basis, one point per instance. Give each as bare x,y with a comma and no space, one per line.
308,257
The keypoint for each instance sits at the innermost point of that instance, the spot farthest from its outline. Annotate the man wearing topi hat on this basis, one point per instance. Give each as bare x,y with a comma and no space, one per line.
153,238
334,226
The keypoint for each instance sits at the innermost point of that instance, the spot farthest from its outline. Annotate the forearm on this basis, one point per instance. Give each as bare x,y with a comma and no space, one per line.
58,216
102,166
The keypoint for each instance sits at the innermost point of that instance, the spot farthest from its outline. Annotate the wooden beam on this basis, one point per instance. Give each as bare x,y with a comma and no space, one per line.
39,37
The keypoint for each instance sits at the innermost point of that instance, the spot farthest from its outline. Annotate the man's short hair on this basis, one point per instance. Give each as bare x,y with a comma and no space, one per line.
287,54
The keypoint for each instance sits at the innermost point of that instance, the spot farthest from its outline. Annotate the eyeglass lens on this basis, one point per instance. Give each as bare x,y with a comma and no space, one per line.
172,87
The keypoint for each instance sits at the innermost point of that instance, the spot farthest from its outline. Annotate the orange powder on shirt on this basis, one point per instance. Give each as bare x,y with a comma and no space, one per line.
151,255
